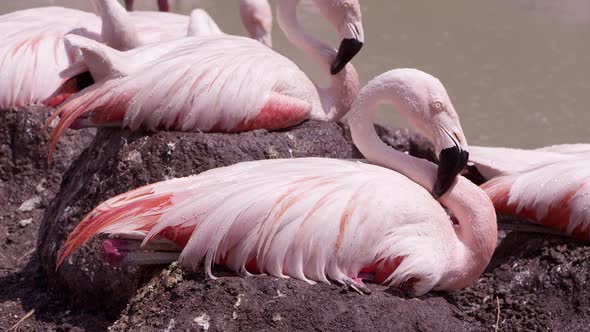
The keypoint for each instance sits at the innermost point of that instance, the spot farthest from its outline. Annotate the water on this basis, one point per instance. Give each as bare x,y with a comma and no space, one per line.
516,70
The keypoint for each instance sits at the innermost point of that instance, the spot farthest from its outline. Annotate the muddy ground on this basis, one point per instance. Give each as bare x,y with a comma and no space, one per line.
535,283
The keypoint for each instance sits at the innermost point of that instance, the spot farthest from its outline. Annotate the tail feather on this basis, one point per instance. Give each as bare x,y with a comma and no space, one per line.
136,212
97,105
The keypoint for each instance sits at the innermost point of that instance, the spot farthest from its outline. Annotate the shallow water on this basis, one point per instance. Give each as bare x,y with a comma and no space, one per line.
516,70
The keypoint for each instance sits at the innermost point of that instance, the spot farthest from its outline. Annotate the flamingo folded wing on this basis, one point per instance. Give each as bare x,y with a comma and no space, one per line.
556,195
32,53
231,84
311,218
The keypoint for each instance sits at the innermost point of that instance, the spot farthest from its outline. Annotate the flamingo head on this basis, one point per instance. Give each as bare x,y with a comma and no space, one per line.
447,134
432,113
345,15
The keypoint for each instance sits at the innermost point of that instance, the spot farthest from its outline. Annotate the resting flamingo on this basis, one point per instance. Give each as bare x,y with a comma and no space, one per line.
317,218
548,186
217,84
33,54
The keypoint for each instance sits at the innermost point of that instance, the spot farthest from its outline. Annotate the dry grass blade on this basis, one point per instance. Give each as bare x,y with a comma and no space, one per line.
16,326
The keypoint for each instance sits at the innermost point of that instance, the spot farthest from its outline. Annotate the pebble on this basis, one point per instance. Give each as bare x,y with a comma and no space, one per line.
30,204
25,222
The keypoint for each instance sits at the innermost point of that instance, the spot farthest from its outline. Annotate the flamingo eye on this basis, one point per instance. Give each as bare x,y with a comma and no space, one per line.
438,106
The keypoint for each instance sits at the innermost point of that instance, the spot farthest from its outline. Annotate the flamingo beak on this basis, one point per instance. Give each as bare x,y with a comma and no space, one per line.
451,162
349,47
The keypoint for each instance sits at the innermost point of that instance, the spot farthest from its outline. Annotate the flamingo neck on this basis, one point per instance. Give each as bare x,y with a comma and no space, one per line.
476,231
344,86
118,31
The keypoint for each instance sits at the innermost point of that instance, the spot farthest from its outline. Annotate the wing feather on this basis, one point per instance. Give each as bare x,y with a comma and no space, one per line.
556,195
190,84
312,219
32,52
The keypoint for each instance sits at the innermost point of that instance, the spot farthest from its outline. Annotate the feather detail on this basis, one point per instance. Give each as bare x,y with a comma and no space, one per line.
555,195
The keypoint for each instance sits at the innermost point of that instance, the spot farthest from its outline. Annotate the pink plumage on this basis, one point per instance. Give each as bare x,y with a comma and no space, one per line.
319,219
549,186
210,84
33,53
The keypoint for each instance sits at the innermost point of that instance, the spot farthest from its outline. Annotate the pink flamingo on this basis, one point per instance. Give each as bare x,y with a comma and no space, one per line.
33,53
217,84
548,186
320,218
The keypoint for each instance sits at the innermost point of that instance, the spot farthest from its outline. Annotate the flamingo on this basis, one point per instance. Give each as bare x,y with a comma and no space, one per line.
216,84
321,219
33,53
549,186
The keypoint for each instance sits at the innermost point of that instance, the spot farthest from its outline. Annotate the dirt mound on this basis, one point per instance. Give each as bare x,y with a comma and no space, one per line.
534,283
119,161
27,186
175,301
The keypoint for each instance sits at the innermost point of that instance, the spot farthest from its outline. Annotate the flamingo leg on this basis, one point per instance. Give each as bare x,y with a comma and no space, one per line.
357,285
125,252
509,223
163,5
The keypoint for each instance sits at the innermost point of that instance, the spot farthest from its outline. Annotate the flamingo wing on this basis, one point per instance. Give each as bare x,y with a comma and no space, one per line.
492,162
575,149
225,83
556,195
311,218
32,53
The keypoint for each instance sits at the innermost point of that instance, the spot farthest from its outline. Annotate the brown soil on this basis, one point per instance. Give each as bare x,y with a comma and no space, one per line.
27,186
534,283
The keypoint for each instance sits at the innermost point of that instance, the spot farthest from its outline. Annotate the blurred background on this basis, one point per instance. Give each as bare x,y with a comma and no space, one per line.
517,71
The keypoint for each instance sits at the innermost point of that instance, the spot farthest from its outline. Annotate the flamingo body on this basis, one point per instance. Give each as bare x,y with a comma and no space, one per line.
312,218
217,84
549,186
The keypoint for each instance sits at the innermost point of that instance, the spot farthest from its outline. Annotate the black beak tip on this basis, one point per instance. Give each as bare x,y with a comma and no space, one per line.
451,163
349,47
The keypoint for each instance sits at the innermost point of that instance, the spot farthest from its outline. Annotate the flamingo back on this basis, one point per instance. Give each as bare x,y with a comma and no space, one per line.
492,161
311,219
32,53
223,84
556,195
576,149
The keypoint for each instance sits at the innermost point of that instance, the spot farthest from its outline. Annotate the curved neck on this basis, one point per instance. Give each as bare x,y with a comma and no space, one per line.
477,231
118,31
337,98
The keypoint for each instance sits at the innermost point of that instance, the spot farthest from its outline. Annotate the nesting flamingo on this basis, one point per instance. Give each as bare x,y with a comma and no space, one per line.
216,84
320,219
33,53
548,186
